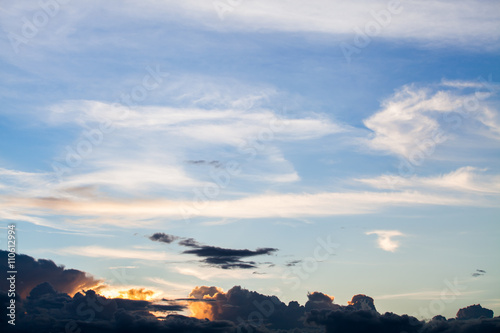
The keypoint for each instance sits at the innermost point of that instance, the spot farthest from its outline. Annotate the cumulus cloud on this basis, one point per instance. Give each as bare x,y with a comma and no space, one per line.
253,311
32,272
317,300
214,310
474,312
248,309
362,302
47,310
385,241
360,321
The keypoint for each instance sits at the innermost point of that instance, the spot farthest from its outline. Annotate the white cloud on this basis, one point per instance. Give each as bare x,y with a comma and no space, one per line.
465,179
207,126
15,181
436,23
428,295
148,146
458,22
144,212
132,175
385,241
461,84
95,251
415,120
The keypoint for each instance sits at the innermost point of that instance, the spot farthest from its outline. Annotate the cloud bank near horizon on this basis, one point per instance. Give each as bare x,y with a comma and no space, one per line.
213,310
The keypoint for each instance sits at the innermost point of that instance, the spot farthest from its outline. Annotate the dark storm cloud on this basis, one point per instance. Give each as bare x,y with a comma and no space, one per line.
249,309
228,262
239,310
361,321
163,238
317,301
226,258
321,301
216,256
213,251
474,312
46,310
362,302
353,321
32,272
462,326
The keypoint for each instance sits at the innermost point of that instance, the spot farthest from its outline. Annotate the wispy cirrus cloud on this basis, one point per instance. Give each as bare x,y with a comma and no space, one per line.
428,294
127,213
166,137
465,179
96,251
228,126
460,23
417,119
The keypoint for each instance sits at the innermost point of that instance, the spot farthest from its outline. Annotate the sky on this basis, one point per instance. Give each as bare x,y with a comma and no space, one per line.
287,147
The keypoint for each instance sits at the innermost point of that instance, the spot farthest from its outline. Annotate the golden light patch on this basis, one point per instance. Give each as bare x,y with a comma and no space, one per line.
141,294
201,310
208,310
138,294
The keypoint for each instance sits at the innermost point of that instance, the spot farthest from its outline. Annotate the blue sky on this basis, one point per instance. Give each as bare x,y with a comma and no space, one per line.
252,129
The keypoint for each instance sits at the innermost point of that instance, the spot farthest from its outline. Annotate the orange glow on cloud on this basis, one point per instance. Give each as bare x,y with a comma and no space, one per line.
138,294
202,310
